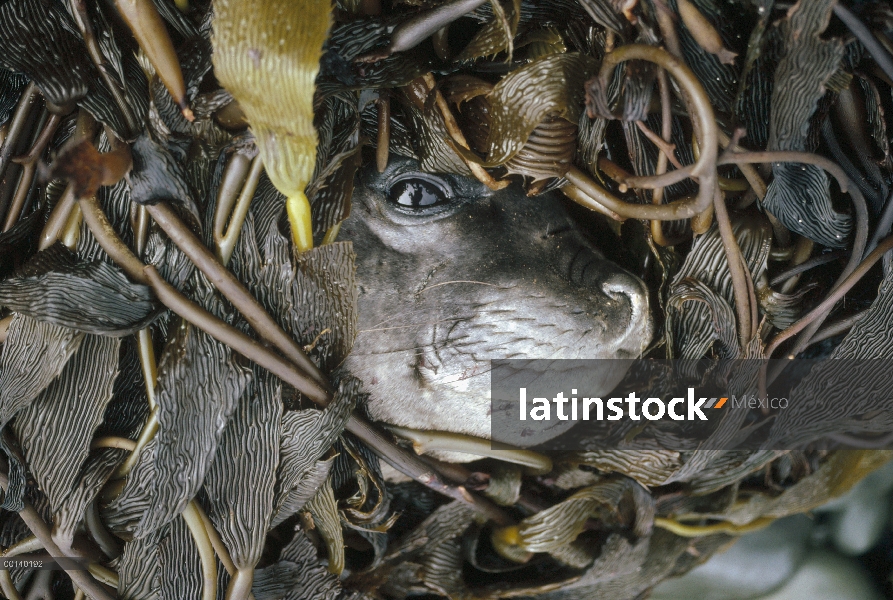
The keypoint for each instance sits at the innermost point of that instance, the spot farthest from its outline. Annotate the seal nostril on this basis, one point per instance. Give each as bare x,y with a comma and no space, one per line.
634,297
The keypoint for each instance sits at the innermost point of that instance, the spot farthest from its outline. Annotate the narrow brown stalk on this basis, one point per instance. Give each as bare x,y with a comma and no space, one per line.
42,532
835,296
744,299
383,144
232,289
859,207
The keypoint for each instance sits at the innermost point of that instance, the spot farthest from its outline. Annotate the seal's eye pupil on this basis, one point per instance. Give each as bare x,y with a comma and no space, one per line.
415,192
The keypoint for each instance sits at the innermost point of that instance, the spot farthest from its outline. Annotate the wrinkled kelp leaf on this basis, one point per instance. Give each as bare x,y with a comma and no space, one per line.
297,576
199,385
93,475
402,571
127,411
41,40
650,467
799,195
306,436
606,14
549,86
833,478
720,80
157,176
122,515
306,294
56,428
428,138
181,572
240,482
92,297
497,35
707,314
33,356
558,525
139,571
11,87
868,339
324,512
49,52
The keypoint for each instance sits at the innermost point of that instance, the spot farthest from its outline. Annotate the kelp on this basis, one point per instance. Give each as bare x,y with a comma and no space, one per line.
700,296
240,481
515,115
92,297
198,389
795,92
499,94
55,429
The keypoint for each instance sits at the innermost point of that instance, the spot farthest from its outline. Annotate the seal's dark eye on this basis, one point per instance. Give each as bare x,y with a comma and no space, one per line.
418,191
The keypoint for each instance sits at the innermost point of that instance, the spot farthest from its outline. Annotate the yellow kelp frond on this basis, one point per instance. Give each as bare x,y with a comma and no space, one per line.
266,53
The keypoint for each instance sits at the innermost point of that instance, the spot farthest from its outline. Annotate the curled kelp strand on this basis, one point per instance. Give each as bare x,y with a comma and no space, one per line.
705,167
231,287
234,207
41,531
859,205
457,137
583,199
151,34
18,124
383,143
205,550
880,54
838,292
738,270
497,35
429,441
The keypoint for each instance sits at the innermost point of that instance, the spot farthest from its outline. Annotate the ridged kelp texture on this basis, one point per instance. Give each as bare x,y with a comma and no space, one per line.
11,86
799,194
560,524
139,570
56,428
306,436
306,294
127,411
549,86
91,478
697,313
199,384
41,40
93,297
240,481
862,372
33,356
297,575
122,515
267,55
156,176
181,573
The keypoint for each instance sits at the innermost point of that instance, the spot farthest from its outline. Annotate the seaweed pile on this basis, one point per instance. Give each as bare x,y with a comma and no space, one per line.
174,303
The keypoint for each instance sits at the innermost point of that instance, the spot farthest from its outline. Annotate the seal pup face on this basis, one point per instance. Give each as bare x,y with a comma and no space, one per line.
451,275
